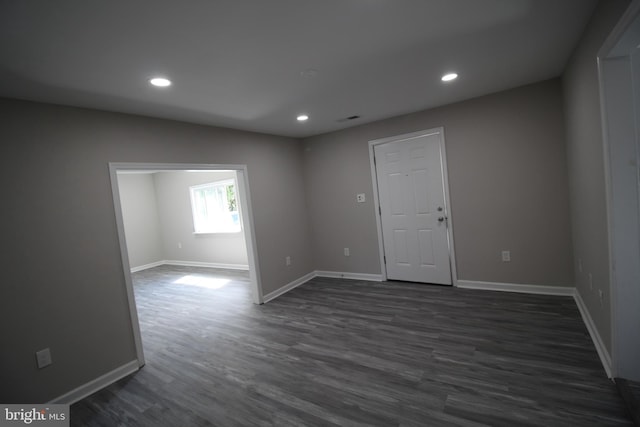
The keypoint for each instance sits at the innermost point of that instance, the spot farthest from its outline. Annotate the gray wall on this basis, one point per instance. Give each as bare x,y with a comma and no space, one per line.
63,280
508,182
586,166
176,219
140,219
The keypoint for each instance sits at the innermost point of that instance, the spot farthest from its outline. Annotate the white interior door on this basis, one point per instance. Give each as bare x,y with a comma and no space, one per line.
412,209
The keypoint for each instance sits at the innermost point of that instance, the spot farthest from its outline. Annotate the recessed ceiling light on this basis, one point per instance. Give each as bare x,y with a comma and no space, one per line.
160,82
448,77
302,118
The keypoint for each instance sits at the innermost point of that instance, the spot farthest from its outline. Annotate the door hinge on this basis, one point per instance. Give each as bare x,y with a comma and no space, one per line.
379,211
385,258
374,160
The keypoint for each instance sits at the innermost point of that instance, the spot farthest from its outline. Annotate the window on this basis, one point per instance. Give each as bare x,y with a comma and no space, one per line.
215,207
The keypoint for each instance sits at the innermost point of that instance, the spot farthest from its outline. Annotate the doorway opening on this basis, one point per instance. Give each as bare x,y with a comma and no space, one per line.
215,210
411,194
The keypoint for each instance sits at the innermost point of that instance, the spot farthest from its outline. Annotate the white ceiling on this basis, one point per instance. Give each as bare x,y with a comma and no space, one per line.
240,63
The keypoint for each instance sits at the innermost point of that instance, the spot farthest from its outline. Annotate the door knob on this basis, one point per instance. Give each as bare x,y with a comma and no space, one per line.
440,219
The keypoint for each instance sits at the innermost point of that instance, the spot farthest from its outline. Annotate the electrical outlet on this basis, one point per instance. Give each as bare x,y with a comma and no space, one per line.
346,252
43,358
506,256
360,198
287,260
179,245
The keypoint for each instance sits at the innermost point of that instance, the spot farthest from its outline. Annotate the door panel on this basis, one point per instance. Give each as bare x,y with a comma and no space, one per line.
421,198
426,247
411,192
401,247
396,186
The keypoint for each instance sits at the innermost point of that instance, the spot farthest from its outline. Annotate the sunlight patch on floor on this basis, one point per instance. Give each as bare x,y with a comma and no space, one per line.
202,282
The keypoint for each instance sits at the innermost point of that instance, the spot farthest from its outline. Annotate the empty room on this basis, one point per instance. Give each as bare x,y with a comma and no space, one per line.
318,213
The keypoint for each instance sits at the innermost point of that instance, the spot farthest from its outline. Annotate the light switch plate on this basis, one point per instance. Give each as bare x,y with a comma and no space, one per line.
43,357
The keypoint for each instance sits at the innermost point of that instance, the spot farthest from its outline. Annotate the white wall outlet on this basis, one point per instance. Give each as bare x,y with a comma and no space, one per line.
43,358
346,252
179,245
506,256
360,198
590,282
287,260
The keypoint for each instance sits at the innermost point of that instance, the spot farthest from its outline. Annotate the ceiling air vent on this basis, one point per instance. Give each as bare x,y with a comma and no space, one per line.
346,119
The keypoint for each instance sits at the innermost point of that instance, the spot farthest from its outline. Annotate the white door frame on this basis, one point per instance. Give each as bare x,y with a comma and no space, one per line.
447,211
247,221
619,101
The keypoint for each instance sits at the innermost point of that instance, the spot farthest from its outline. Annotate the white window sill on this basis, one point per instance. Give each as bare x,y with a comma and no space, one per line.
204,233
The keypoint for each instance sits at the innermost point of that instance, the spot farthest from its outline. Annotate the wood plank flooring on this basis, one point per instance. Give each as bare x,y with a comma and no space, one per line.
630,393
339,352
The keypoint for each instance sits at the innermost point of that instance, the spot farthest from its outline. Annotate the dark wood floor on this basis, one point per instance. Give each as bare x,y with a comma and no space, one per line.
352,353
630,393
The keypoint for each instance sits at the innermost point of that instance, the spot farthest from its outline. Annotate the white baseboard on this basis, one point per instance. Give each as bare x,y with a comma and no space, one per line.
147,266
605,358
207,264
512,287
97,384
354,276
190,264
286,288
